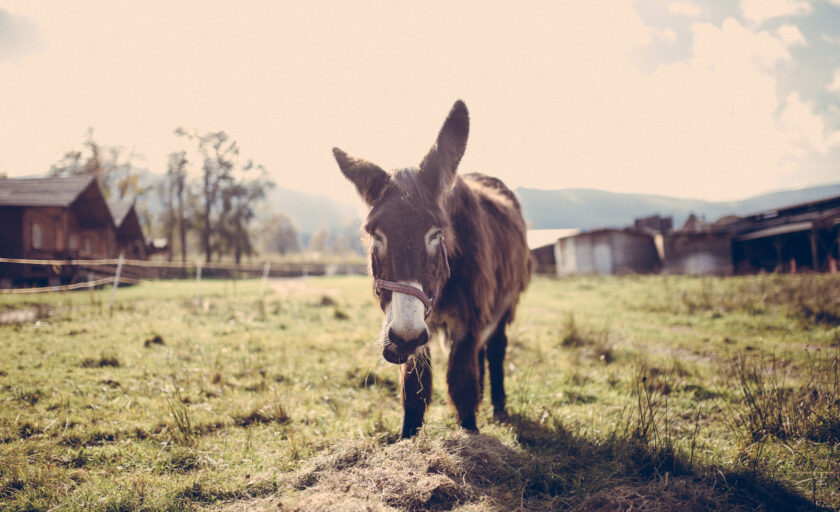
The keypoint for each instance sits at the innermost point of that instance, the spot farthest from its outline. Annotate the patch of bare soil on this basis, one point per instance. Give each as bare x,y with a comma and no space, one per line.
24,315
298,286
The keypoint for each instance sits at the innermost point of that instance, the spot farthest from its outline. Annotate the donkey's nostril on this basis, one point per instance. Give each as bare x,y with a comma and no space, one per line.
421,338
396,339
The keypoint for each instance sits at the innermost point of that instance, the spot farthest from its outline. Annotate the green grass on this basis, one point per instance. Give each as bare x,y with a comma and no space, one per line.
619,389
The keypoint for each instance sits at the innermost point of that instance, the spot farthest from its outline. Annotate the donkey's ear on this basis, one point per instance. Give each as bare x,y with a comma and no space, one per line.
440,164
370,179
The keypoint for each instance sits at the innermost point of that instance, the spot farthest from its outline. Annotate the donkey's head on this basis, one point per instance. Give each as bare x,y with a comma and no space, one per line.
407,224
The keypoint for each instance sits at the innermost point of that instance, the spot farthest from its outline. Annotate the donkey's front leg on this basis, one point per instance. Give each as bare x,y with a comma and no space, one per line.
462,378
417,390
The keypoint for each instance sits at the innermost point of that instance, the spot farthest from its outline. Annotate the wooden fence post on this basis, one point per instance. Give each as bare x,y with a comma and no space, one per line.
198,283
116,283
266,269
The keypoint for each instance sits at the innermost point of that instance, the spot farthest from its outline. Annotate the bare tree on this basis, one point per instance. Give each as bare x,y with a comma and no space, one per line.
116,175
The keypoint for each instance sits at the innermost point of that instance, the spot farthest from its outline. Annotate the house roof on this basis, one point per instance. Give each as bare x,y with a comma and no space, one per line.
120,208
60,192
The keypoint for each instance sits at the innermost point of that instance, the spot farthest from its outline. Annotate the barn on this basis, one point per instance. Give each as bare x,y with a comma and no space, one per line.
797,237
52,218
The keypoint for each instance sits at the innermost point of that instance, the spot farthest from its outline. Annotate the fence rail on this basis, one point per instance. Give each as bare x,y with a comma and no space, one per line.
126,271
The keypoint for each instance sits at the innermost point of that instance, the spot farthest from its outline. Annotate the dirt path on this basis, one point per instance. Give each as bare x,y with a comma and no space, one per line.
299,286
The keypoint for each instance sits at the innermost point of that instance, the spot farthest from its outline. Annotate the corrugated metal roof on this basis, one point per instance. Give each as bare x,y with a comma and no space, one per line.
777,230
60,192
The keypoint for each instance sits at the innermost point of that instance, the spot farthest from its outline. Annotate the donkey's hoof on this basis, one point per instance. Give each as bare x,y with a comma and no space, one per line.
501,415
470,426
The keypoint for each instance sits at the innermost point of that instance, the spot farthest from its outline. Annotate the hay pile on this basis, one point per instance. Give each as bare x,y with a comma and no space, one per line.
413,475
466,473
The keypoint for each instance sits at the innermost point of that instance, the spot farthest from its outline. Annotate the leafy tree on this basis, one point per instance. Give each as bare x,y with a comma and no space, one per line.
174,189
238,200
220,155
281,235
319,239
226,195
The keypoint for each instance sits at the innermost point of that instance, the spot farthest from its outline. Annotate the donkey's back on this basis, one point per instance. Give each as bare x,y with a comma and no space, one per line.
492,263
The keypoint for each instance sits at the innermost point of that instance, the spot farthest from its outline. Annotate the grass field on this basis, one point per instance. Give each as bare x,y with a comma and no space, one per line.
658,392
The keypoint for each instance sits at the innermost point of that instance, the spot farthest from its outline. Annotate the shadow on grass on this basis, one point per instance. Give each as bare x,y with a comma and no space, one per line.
624,473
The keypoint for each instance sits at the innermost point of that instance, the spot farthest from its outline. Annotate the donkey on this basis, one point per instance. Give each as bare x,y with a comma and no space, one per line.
447,253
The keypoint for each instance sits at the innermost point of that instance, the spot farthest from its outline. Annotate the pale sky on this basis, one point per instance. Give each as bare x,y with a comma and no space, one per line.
705,99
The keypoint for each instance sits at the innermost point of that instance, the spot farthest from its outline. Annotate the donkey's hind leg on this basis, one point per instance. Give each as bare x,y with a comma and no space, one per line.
416,391
496,348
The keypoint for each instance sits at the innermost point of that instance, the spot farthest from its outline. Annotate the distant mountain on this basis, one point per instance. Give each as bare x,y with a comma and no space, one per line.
311,211
590,208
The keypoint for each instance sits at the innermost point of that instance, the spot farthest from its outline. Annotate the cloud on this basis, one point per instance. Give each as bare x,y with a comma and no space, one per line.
684,8
18,36
806,131
835,85
791,35
759,11
714,118
667,34
830,39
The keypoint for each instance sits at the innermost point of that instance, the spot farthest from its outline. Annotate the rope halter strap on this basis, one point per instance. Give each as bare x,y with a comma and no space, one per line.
428,302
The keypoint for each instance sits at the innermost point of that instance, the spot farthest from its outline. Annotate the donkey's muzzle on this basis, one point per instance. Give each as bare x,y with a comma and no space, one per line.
397,350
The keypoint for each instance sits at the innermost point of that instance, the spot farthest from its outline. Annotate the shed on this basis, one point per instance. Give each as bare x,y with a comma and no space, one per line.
542,244
700,253
605,252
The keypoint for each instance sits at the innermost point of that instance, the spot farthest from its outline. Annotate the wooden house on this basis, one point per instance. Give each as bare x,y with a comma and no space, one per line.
129,235
52,218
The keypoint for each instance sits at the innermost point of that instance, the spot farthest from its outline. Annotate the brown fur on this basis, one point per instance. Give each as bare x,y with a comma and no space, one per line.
484,234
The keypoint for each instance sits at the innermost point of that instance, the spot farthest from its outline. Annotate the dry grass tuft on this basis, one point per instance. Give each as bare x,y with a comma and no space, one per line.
103,361
269,413
157,339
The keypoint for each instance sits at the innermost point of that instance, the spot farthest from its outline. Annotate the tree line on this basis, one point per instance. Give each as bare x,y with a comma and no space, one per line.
209,192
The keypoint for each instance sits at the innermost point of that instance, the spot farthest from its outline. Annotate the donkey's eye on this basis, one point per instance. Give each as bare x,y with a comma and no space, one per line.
433,238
